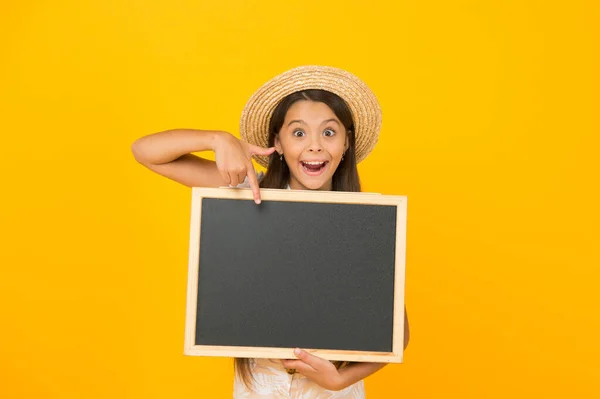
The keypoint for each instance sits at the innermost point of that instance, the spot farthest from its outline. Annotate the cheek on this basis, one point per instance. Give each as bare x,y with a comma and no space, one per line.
336,149
293,149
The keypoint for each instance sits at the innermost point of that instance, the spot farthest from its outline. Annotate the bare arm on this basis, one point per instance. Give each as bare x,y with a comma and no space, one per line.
358,371
168,153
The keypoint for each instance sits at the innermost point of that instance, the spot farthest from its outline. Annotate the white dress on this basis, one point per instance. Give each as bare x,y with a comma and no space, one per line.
272,381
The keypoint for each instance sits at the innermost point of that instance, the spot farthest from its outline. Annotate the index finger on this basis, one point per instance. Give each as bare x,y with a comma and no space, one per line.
257,150
253,183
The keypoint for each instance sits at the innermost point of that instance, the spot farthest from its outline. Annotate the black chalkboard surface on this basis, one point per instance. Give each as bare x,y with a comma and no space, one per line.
323,271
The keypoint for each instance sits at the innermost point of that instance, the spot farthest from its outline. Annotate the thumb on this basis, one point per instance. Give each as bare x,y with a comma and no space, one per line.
256,150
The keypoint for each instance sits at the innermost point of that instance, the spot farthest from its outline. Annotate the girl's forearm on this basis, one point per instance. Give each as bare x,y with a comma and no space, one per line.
164,147
355,372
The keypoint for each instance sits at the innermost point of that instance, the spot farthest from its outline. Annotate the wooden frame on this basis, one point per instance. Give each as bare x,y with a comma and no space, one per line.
191,349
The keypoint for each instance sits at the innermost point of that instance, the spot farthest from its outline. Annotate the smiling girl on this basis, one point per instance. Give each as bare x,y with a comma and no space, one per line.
309,127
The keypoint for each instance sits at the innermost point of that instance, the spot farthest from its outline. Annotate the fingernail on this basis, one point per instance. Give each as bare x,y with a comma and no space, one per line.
257,201
297,352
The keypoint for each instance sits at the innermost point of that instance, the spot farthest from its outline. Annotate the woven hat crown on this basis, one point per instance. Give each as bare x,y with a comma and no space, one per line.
365,109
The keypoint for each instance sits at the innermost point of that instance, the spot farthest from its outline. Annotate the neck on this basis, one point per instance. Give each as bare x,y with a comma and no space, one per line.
296,185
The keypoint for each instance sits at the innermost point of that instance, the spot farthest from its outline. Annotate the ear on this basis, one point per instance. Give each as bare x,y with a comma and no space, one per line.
278,144
347,144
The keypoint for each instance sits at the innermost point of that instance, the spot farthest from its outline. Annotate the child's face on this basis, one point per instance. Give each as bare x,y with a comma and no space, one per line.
312,140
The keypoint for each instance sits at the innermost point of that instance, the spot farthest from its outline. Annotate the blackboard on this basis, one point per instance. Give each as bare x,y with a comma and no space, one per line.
323,271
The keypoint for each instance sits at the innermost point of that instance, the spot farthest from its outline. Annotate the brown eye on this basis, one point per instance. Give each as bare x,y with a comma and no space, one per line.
298,133
328,133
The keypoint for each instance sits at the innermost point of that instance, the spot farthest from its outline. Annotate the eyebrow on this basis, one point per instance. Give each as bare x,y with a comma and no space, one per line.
330,120
323,123
297,121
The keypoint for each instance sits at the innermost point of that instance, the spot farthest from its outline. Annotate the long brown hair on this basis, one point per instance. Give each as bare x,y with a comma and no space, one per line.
345,178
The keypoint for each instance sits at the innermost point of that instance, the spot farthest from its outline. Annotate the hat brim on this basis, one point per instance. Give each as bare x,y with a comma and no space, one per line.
366,111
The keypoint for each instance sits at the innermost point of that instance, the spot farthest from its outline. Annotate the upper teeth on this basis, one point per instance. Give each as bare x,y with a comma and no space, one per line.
314,163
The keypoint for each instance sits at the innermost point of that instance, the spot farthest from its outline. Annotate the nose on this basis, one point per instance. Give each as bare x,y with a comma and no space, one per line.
315,144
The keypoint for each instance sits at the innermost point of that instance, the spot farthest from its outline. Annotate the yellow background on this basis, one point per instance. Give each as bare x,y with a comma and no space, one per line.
490,128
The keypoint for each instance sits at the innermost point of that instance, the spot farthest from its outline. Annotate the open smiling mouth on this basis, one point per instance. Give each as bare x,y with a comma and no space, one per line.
313,168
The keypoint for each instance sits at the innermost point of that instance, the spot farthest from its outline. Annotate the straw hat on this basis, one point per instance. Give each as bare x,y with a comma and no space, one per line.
366,112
